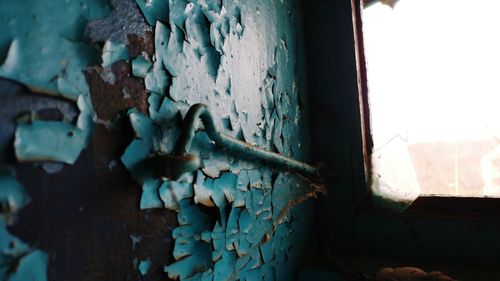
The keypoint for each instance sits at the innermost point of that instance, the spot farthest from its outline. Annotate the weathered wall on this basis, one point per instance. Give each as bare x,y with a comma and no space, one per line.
241,60
236,218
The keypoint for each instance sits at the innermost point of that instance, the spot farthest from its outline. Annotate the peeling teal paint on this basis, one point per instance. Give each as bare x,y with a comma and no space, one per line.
241,60
144,267
113,52
238,58
46,48
54,140
154,10
13,197
32,267
140,67
43,48
63,143
18,262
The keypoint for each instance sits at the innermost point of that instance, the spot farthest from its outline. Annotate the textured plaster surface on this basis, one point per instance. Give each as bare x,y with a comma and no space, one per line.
240,59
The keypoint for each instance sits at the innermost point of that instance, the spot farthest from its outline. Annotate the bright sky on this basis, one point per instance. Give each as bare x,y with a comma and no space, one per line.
434,69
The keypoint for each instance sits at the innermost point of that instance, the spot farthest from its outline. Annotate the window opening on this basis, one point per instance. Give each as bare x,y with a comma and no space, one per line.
433,70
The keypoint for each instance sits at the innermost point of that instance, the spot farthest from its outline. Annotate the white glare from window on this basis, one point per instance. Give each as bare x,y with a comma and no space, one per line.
434,92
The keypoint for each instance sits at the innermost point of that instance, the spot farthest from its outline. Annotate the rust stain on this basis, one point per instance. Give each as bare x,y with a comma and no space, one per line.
109,99
138,45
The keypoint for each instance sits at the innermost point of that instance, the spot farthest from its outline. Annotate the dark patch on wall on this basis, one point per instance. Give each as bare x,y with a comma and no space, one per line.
335,126
113,89
84,216
138,45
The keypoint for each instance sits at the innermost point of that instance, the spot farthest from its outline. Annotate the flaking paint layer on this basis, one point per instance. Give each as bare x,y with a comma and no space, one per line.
238,58
241,60
42,46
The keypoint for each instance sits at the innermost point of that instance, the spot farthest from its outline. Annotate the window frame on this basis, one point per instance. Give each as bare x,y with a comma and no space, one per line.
346,224
473,217
425,204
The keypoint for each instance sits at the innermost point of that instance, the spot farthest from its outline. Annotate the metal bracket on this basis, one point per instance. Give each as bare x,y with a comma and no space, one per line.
181,162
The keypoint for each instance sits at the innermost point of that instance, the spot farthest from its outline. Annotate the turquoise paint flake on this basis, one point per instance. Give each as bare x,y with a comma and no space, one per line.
150,198
243,180
243,246
171,192
164,111
54,141
199,261
142,125
267,251
260,228
194,231
49,43
141,67
255,178
203,190
162,38
232,227
18,262
144,267
219,161
13,197
11,248
113,52
157,80
224,189
190,214
154,10
206,236
184,247
139,150
239,199
167,196
224,268
181,190
241,262
218,241
49,141
32,267
246,220
227,184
